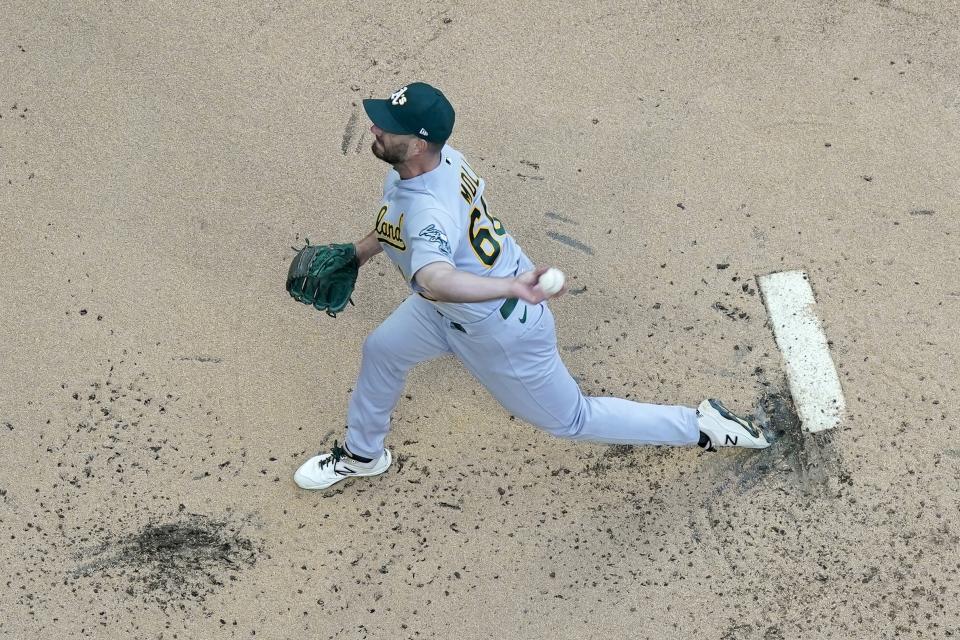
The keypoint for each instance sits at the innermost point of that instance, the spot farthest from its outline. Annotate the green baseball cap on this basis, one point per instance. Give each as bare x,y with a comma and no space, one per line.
416,109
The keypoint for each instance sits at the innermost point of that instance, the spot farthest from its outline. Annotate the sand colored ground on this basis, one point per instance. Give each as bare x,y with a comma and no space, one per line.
159,387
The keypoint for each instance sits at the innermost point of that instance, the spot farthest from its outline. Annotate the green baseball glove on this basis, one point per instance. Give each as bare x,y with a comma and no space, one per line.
324,276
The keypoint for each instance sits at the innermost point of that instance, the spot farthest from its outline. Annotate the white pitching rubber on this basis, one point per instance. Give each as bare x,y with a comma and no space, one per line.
811,374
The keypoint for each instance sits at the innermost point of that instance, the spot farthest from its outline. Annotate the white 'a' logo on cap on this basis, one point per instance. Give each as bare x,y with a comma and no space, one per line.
423,132
398,98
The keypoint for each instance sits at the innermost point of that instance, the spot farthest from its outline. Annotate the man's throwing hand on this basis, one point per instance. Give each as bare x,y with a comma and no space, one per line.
527,287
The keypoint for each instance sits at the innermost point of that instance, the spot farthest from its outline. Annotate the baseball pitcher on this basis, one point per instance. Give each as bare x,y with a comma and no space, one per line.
475,294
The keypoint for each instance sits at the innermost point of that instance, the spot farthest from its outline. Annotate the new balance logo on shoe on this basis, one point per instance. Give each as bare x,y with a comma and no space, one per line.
720,427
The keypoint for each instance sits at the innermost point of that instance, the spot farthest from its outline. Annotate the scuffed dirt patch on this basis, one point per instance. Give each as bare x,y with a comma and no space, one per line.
172,561
795,461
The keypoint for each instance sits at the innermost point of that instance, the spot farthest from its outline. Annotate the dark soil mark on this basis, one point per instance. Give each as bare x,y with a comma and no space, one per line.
734,313
570,242
618,451
615,455
202,359
556,216
348,133
171,563
360,141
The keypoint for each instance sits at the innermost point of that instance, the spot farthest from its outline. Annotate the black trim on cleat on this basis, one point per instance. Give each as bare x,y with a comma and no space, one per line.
705,441
351,454
729,415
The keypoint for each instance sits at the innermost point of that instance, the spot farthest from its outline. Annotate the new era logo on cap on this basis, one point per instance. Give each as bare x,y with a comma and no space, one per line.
416,109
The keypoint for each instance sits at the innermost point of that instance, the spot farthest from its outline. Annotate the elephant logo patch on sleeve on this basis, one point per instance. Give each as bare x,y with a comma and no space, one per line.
437,236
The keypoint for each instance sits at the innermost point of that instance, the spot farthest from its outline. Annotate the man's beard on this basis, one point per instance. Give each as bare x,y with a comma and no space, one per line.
390,156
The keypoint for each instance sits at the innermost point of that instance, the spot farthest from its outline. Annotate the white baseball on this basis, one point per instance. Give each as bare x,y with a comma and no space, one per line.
551,281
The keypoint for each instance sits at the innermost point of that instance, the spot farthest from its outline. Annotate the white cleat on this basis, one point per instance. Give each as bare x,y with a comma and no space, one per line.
327,469
722,428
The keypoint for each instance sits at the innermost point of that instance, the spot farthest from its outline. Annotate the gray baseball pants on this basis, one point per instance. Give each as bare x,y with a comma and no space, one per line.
516,359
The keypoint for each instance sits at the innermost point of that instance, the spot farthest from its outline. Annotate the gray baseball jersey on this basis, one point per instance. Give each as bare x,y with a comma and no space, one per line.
442,216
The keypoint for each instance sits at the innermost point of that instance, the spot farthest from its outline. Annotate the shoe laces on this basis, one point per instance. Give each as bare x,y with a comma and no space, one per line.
336,454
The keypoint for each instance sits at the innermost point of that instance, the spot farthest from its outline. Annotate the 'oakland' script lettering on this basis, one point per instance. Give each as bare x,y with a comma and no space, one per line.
389,234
